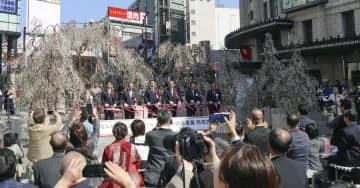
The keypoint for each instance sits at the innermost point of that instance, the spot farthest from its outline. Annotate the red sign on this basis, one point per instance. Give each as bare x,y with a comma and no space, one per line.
126,15
245,52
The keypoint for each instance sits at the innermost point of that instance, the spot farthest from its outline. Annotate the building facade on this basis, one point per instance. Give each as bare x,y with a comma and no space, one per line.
327,32
207,21
200,21
9,28
167,18
226,20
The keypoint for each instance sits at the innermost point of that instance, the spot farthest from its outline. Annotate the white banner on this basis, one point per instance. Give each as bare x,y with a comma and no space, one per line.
196,123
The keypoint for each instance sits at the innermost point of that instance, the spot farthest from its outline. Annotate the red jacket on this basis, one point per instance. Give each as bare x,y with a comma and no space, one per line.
124,154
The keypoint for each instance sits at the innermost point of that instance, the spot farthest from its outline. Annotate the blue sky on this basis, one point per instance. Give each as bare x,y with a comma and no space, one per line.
84,10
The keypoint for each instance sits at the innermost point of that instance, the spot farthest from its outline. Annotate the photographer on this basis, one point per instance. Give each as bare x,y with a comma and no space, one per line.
40,135
186,168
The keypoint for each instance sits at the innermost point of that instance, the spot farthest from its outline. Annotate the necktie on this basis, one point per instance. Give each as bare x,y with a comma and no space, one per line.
172,92
130,94
193,92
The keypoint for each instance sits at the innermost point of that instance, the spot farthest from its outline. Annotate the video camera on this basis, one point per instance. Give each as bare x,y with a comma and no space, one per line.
191,144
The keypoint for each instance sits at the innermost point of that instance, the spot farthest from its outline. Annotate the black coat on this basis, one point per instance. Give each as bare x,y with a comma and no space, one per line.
213,97
161,164
189,96
151,97
338,124
292,173
167,97
259,136
128,100
348,147
47,171
108,99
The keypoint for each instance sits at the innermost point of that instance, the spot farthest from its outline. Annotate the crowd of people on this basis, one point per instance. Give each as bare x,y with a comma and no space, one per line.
250,155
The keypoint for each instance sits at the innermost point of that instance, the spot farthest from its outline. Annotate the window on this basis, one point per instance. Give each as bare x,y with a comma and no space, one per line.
348,23
193,22
308,32
193,34
192,11
273,8
251,15
265,11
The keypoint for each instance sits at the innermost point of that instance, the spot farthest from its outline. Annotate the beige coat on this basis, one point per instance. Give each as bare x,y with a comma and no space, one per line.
39,140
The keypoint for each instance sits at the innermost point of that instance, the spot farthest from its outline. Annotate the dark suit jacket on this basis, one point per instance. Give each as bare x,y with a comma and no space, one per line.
212,97
127,99
292,173
189,95
150,96
337,124
259,136
162,164
11,183
167,97
108,99
47,171
349,153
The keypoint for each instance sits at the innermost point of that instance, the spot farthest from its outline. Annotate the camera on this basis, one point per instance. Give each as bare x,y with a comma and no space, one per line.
191,144
94,170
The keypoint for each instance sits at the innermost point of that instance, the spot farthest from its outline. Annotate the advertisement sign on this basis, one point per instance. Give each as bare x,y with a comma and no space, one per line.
9,6
120,14
289,5
196,123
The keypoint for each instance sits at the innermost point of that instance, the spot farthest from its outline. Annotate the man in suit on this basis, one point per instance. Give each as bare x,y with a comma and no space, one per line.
171,98
162,164
108,100
259,135
338,124
349,145
300,144
152,99
8,164
47,171
213,99
292,173
193,99
130,100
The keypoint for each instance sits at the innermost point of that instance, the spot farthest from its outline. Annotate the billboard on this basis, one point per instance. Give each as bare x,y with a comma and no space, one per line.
290,5
44,12
9,6
126,15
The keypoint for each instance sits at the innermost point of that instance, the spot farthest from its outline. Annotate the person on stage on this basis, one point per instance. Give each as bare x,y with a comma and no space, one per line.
130,100
171,98
108,100
152,99
193,99
213,99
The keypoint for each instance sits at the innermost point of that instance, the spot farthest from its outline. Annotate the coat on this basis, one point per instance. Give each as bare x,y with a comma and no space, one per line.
39,138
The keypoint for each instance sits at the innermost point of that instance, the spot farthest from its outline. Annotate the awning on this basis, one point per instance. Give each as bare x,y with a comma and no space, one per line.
233,39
